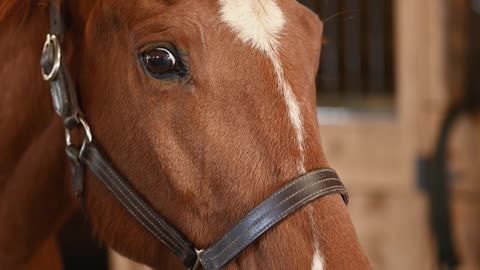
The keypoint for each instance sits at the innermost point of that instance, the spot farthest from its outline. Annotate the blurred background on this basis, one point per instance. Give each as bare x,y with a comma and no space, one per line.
398,102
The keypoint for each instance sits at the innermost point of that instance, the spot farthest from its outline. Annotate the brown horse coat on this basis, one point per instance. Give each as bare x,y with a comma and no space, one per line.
203,149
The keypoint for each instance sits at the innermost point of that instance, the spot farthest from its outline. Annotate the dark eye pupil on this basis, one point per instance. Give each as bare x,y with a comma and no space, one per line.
160,61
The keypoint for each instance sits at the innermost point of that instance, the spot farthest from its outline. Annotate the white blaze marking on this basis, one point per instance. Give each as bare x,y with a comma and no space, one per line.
317,261
260,23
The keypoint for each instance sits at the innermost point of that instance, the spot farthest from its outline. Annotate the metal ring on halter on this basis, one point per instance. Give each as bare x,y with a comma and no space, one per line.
198,262
86,130
52,40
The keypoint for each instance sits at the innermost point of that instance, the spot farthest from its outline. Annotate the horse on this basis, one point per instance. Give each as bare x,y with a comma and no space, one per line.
206,107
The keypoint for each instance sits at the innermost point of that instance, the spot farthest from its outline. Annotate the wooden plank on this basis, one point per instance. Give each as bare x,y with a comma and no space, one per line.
370,155
421,69
393,230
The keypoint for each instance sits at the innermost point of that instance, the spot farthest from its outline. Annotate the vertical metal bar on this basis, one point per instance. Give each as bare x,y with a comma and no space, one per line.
352,49
376,46
389,47
365,38
329,76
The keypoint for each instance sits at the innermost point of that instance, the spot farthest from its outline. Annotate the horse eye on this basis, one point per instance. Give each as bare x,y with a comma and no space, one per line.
160,61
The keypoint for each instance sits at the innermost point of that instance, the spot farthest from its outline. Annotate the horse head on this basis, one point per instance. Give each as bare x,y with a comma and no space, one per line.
207,108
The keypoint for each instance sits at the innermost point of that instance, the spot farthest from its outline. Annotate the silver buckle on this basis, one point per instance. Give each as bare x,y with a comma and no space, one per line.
52,40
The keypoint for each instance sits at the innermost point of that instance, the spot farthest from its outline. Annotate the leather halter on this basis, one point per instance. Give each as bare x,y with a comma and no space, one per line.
267,214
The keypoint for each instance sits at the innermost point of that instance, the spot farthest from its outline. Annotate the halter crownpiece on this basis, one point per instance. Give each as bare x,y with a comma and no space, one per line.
298,193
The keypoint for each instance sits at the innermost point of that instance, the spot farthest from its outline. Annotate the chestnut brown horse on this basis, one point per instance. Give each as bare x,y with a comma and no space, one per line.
226,118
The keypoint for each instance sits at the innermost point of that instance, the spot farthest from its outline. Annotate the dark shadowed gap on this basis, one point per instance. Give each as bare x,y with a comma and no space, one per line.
79,250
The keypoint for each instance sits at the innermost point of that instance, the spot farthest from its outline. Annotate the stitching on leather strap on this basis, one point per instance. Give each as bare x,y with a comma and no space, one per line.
273,196
320,181
133,204
146,208
182,247
240,247
106,169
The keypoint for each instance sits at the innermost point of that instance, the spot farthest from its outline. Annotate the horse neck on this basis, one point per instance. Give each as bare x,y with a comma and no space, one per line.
25,103
32,158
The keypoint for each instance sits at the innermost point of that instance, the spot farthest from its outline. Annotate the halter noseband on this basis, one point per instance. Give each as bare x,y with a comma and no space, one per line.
274,209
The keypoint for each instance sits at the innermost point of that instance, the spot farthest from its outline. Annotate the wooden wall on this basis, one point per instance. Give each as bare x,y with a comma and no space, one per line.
377,155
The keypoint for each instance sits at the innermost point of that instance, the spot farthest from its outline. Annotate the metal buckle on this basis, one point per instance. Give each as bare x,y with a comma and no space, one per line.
81,123
198,261
52,41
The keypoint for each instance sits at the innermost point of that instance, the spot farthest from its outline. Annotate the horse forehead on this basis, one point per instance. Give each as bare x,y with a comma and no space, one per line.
258,22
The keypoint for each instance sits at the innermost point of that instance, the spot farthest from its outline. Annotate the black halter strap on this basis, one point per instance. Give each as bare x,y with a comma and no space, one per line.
267,214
